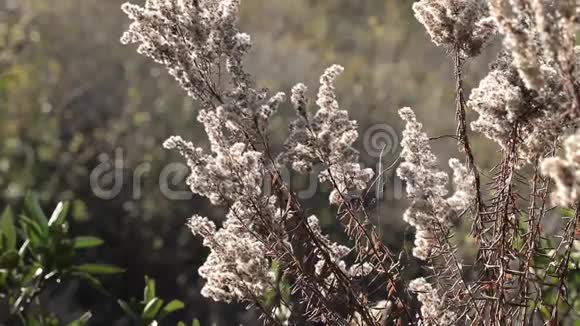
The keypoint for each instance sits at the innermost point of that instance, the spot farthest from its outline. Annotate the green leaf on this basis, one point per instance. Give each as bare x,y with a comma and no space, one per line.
3,278
172,306
33,209
149,291
196,322
33,231
59,214
33,272
544,311
24,247
32,321
99,269
82,320
270,297
180,323
152,309
8,229
276,270
93,281
9,259
285,290
567,213
127,309
86,242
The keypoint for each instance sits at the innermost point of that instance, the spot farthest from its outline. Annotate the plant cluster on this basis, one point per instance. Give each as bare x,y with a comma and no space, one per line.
528,104
36,252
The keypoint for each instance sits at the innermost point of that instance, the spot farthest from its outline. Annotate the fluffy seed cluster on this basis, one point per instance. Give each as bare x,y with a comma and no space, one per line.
337,253
430,211
566,173
433,310
537,33
191,38
236,268
456,23
326,138
223,177
509,111
525,103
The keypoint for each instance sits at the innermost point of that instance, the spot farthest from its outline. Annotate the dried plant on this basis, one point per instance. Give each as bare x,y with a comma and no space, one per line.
528,104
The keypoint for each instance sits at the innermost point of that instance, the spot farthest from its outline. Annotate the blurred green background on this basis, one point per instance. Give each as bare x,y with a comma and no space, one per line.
71,96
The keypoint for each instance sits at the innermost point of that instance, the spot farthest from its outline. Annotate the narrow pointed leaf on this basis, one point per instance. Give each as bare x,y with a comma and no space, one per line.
82,320
59,214
7,228
152,309
92,281
87,242
149,291
128,310
172,306
9,259
99,269
33,209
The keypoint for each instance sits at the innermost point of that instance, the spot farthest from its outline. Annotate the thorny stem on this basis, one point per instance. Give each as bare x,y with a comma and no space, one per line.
374,241
373,238
463,139
534,230
282,191
562,272
287,252
295,203
495,230
571,89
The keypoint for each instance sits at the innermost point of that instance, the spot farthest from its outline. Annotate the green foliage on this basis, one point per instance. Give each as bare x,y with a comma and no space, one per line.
195,322
279,297
32,319
36,251
151,309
